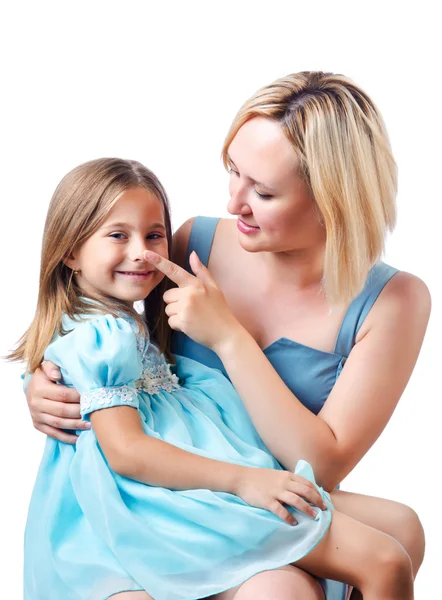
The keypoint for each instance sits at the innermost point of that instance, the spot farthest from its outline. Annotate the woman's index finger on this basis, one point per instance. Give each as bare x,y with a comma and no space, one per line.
174,272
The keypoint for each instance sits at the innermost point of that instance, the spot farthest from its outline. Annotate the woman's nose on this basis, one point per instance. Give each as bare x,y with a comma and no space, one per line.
238,204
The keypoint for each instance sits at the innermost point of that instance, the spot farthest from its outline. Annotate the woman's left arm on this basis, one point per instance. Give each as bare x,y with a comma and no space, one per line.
362,400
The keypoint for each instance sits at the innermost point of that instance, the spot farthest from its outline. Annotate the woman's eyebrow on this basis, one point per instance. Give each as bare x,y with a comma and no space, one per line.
263,185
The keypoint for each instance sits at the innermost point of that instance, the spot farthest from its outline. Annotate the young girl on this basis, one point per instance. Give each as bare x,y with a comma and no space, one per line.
144,501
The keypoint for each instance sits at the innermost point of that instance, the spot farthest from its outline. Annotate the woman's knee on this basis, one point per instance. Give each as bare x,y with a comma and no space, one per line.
412,535
286,583
392,569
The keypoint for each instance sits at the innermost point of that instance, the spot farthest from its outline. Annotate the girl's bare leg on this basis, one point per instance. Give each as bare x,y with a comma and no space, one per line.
364,557
395,519
286,583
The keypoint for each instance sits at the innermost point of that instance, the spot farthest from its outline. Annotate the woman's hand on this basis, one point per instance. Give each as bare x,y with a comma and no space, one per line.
197,306
54,407
271,489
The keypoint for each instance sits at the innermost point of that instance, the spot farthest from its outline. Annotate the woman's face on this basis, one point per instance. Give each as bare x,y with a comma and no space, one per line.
275,210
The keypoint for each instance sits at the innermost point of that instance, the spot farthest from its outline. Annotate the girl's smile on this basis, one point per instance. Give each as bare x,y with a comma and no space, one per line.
110,262
134,276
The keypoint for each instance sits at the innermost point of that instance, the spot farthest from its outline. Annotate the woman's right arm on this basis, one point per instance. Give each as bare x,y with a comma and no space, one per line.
55,409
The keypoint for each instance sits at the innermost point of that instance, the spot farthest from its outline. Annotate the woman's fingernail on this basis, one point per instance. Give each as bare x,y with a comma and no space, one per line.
151,256
88,426
55,374
314,514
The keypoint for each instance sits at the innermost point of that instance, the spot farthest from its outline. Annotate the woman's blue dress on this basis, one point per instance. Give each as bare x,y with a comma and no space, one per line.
309,373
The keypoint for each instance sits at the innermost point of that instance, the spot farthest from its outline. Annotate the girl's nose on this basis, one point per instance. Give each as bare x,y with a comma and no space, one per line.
136,250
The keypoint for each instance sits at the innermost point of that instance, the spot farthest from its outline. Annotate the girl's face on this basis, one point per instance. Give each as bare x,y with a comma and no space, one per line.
110,262
275,210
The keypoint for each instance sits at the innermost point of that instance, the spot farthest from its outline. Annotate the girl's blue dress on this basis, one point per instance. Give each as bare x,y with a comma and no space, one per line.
92,533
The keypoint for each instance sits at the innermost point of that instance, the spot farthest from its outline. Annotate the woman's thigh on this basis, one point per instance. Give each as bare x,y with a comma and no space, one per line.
395,519
285,583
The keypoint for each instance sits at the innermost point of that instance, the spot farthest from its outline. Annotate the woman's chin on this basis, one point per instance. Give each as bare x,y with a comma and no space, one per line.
252,243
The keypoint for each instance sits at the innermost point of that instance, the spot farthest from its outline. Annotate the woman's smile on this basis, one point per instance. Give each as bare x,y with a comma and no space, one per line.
245,228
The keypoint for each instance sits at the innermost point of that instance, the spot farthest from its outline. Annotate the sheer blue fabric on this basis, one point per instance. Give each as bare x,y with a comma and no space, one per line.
308,372
92,533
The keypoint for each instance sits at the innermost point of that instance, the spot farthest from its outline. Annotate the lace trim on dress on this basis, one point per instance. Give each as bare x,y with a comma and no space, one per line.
160,378
103,396
156,374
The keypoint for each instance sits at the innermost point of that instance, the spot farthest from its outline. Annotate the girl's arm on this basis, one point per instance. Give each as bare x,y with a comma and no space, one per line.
131,453
361,402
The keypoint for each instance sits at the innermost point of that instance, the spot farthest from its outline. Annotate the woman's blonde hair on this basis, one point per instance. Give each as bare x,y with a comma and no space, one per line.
79,205
346,162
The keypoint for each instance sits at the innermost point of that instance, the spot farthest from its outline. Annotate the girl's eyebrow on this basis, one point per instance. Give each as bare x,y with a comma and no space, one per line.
121,224
263,185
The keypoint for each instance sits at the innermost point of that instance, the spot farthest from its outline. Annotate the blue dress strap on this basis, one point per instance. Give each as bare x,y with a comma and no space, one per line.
359,308
201,239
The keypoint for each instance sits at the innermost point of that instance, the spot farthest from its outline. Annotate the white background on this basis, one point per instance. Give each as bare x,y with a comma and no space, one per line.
161,82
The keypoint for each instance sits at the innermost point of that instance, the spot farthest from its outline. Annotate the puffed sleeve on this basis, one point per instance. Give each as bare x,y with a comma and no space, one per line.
99,358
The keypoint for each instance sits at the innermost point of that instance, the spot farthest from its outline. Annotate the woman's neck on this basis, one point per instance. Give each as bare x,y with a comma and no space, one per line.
302,268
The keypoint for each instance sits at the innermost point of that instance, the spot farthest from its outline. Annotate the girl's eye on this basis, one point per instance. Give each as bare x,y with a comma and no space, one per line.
231,170
263,196
117,236
155,236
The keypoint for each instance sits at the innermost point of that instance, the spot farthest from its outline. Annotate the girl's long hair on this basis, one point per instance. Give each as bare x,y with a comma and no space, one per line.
346,161
79,205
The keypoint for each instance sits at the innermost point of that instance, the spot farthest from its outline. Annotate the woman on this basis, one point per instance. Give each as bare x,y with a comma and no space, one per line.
313,185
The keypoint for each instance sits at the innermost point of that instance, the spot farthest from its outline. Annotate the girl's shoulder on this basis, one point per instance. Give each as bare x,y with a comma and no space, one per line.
103,333
96,351
94,320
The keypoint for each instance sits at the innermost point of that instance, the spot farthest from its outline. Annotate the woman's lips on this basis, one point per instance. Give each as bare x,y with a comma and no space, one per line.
244,228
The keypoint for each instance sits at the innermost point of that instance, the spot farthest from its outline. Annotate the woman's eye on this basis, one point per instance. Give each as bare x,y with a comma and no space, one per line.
231,170
117,236
263,196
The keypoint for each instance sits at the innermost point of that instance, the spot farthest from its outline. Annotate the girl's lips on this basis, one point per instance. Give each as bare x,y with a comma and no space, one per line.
136,275
244,228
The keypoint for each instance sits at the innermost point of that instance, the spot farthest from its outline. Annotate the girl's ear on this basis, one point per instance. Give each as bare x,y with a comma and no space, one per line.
70,261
